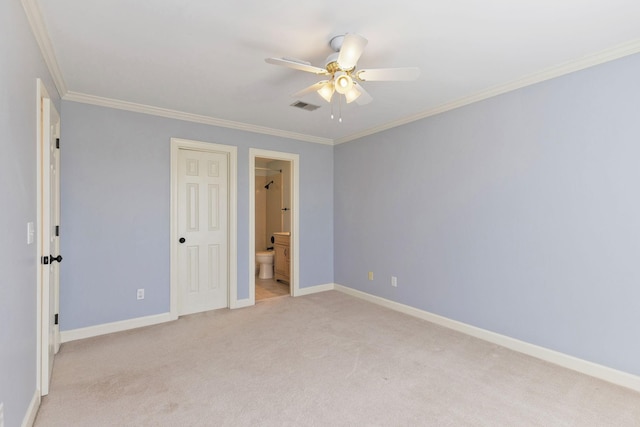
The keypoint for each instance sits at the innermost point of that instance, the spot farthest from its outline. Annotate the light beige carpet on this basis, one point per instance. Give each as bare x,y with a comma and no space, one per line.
321,360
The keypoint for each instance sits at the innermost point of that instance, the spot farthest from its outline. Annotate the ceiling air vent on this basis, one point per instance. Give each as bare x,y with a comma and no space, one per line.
305,106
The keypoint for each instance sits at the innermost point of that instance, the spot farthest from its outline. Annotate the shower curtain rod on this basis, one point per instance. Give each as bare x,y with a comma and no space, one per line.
267,169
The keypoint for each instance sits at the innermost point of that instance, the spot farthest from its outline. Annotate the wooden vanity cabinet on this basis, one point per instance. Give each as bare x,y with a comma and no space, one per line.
282,257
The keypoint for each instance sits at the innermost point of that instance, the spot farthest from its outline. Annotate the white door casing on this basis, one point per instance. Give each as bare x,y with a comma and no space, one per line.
203,212
48,241
294,160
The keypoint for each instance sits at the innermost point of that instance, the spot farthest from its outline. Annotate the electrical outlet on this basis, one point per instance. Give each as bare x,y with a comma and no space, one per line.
371,275
394,281
140,294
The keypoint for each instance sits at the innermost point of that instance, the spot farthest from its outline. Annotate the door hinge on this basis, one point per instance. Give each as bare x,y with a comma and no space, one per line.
58,143
44,260
55,321
57,230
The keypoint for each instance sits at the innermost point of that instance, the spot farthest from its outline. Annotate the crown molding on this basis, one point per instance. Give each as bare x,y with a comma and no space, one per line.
587,61
189,117
38,27
34,16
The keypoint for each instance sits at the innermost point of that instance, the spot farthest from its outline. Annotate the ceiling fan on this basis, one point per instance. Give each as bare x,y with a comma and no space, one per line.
341,70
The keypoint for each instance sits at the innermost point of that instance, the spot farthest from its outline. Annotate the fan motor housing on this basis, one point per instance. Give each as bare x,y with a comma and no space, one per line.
332,67
336,42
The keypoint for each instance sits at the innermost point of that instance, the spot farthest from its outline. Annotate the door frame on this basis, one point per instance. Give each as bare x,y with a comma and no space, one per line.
294,283
43,186
232,249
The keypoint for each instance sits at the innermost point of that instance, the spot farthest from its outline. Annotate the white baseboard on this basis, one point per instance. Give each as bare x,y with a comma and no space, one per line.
108,328
32,410
297,293
314,289
124,325
241,303
605,373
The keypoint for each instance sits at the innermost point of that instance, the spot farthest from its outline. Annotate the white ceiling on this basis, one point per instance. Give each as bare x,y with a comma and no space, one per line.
206,58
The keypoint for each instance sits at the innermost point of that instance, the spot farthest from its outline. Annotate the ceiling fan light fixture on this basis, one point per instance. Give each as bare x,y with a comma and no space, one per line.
352,95
342,74
343,84
326,91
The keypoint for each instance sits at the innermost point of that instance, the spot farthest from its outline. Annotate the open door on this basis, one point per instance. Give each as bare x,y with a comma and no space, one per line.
49,241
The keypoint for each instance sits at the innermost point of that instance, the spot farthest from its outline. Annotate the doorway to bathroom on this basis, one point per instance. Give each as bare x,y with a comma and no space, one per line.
273,224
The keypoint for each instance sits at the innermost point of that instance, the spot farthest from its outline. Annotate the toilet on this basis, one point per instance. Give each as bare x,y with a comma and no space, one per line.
265,259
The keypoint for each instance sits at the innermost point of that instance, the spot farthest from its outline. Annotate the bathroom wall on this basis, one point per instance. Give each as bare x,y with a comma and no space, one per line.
274,205
277,197
285,193
261,213
269,202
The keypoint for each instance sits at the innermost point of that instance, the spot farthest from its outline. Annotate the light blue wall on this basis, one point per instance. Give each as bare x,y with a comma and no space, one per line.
115,210
20,64
519,214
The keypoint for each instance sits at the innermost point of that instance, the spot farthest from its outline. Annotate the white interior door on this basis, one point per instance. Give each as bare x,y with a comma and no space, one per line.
50,240
203,230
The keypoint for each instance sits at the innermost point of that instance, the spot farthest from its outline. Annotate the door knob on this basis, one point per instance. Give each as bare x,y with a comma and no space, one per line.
56,258
182,240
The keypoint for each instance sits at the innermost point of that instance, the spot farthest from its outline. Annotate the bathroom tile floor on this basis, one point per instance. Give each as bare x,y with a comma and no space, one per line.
269,288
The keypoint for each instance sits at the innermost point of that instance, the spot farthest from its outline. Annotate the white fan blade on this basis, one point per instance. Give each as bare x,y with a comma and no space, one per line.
352,47
296,64
388,74
313,88
364,97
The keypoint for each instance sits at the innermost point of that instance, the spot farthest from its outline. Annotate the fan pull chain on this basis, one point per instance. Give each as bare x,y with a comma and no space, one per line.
339,109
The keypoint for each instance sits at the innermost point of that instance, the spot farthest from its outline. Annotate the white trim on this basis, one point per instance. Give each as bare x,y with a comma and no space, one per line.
41,93
316,289
232,153
605,373
587,61
34,16
32,410
189,117
109,328
242,303
294,159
